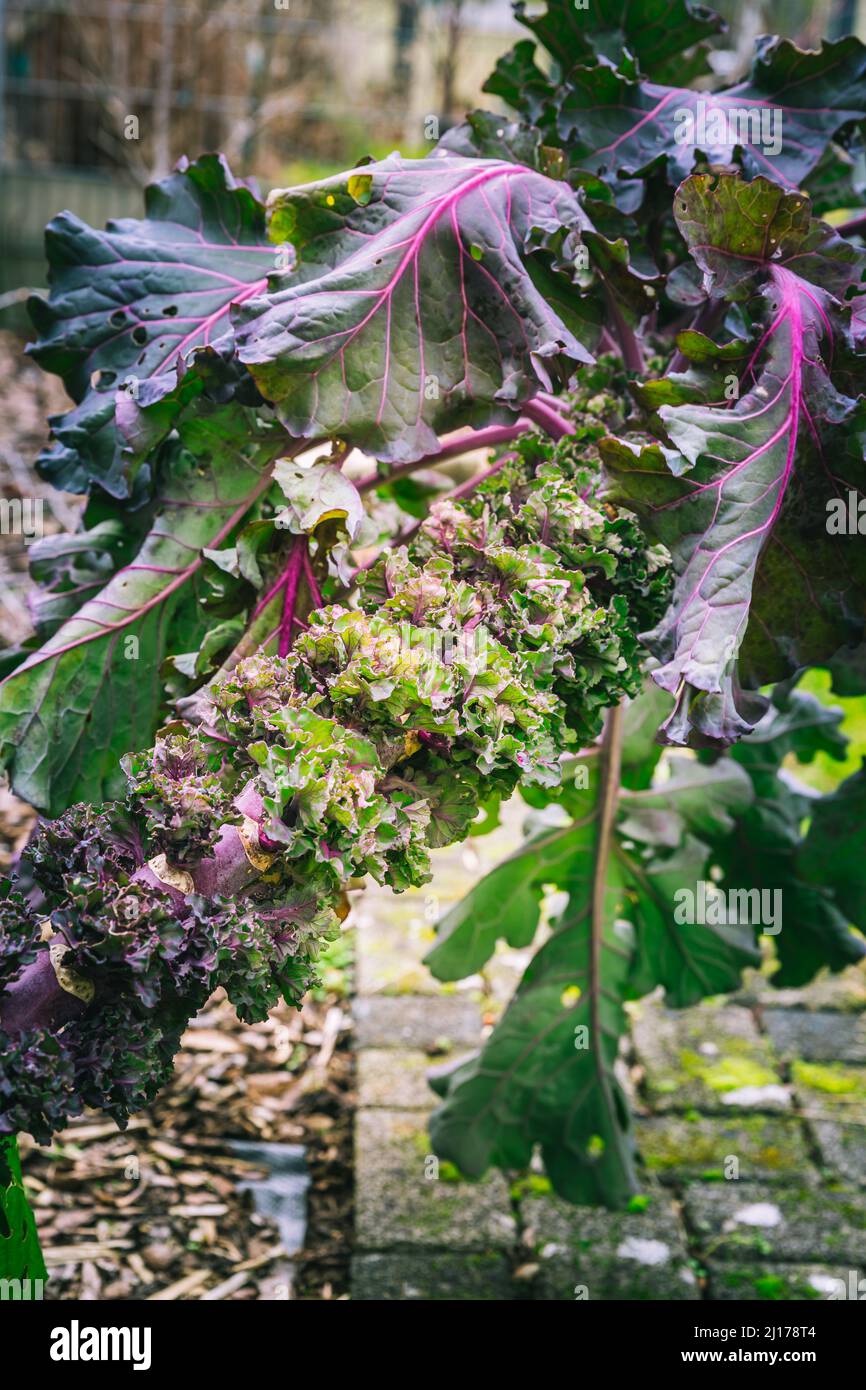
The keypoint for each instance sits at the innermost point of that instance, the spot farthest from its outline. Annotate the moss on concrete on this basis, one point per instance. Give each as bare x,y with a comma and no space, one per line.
832,1079
761,1287
677,1148
796,1224
729,1072
696,1059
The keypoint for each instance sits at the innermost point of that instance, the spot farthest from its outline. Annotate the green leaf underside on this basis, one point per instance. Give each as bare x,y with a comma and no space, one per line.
835,839
416,311
530,1083
813,875
72,567
653,31
533,1082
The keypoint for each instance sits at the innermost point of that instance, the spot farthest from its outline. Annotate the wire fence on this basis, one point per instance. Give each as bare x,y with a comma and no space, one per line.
97,97
128,85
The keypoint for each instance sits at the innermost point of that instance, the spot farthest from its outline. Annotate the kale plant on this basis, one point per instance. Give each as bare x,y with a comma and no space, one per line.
260,672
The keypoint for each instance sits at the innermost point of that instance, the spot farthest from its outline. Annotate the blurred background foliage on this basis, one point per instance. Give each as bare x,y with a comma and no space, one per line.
825,773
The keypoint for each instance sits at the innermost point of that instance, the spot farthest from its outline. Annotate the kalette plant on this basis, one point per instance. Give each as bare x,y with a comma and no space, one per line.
262,671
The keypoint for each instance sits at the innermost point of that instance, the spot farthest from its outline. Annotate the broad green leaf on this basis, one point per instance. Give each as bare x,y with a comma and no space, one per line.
640,747
710,370
796,726
667,836
767,852
20,1255
72,567
467,935
532,1084
837,179
689,797
735,229
546,1074
415,311
519,81
619,275
130,304
833,849
652,33
489,135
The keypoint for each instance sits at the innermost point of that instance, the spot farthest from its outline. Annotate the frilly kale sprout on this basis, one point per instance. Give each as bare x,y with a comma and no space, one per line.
472,660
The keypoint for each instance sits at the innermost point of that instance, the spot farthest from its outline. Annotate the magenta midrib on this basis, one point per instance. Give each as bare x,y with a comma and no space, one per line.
414,243
736,96
362,252
245,290
720,484
768,444
722,100
638,125
413,253
39,658
205,325
789,286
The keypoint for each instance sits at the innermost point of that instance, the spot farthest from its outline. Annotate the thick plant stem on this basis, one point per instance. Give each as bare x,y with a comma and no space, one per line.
477,479
555,402
550,420
266,624
294,571
37,999
312,583
473,439
632,352
453,496
610,770
288,584
611,762
539,412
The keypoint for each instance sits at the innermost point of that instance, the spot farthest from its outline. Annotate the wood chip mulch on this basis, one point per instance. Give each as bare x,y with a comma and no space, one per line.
154,1212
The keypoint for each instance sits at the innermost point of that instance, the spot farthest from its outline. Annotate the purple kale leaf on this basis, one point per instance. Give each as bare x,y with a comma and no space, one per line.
744,492
419,301
130,304
780,118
